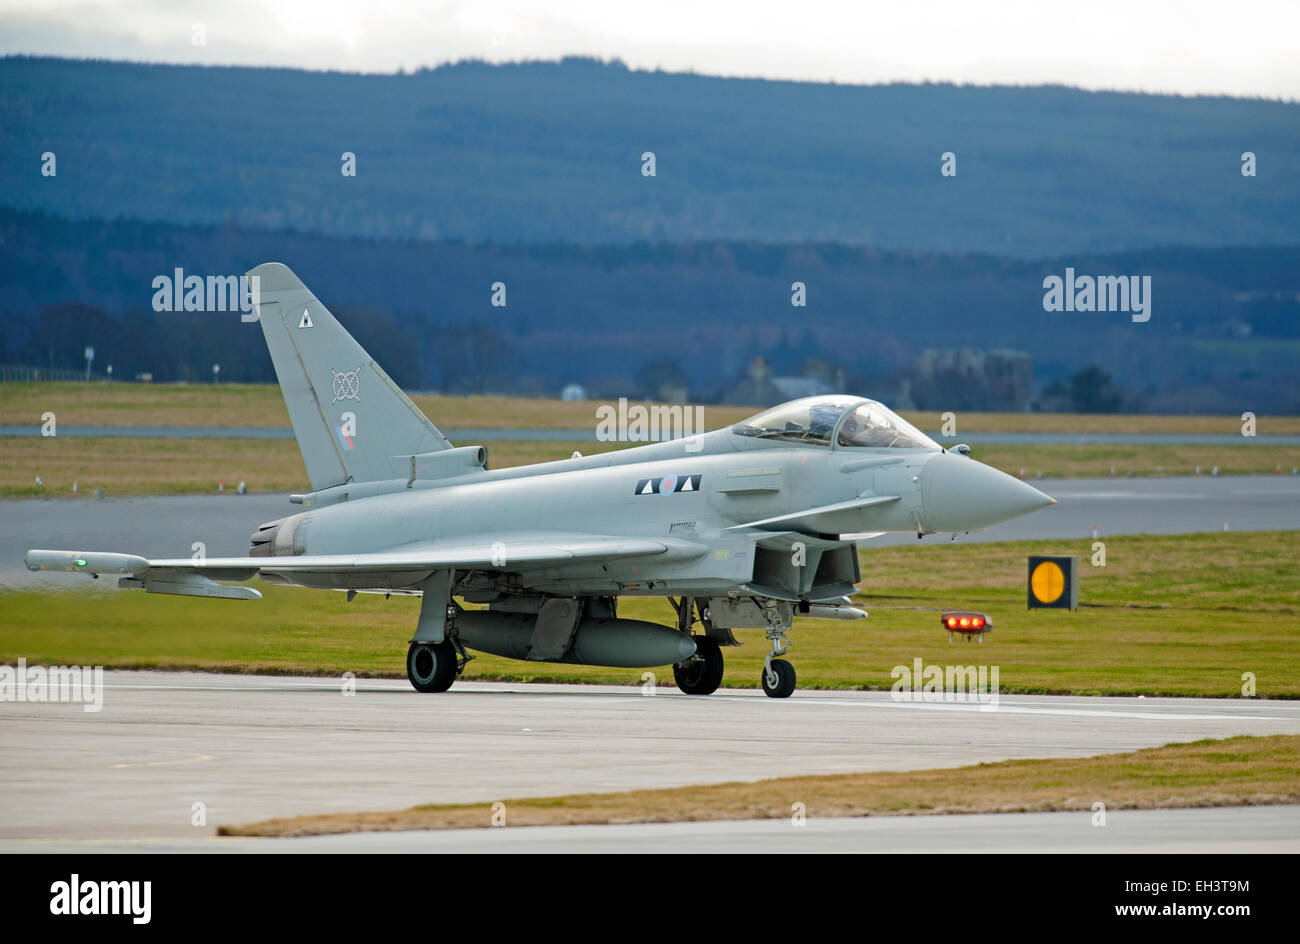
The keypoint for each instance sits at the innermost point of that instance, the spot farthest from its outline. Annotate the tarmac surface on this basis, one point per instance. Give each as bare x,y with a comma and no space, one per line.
168,526
127,778
253,747
1251,829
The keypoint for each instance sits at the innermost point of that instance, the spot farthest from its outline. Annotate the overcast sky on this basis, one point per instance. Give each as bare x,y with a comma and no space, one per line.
1189,47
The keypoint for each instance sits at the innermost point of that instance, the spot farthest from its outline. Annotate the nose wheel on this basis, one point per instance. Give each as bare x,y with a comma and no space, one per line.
778,679
431,667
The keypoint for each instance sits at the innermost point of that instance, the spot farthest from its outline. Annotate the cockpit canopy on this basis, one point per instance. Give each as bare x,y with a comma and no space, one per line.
848,421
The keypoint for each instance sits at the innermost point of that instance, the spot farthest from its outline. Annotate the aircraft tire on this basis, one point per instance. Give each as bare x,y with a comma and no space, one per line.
701,678
785,680
431,667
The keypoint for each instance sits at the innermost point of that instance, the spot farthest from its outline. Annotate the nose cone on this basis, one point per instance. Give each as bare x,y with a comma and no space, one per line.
960,494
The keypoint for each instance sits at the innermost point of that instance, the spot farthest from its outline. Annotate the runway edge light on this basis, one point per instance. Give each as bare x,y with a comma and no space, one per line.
1054,583
967,623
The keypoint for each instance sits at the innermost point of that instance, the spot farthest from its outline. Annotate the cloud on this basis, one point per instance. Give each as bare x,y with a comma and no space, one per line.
1191,47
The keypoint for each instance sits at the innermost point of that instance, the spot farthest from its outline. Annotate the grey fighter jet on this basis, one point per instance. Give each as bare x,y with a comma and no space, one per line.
744,527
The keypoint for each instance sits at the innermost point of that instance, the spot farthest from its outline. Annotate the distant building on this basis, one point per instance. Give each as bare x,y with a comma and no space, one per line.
757,389
832,375
899,400
792,388
760,388
673,393
573,392
971,379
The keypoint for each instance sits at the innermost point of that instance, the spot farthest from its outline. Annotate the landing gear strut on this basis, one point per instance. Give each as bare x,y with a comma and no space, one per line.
778,678
433,665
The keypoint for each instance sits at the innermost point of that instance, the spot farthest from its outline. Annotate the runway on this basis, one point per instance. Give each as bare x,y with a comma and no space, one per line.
168,526
1251,829
252,747
1171,505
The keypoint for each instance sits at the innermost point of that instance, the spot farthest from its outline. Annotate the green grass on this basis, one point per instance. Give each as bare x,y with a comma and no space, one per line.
133,404
1254,771
224,405
124,467
1098,461
1168,615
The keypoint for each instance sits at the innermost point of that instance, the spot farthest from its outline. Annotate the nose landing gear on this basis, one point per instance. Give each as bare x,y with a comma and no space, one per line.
778,679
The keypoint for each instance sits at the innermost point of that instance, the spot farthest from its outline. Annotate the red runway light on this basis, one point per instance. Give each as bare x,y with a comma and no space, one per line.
966,623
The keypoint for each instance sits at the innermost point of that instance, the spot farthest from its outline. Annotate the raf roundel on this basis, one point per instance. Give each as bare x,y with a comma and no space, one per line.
667,485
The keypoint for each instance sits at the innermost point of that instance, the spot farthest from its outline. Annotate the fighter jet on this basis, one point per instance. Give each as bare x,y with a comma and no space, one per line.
749,526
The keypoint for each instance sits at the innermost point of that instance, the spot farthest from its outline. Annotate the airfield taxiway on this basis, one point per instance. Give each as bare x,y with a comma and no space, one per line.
168,526
253,747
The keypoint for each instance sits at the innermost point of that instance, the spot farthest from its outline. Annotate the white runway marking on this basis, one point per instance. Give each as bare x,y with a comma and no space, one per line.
1020,709
807,698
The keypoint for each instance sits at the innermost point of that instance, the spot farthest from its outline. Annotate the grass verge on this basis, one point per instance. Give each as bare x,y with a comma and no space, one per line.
122,467
1168,615
132,404
223,405
1239,771
142,466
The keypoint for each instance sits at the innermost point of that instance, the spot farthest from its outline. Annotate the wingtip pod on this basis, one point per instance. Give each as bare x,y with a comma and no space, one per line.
85,562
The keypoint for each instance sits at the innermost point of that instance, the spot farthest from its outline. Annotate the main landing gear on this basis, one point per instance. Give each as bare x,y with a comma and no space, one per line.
702,673
431,667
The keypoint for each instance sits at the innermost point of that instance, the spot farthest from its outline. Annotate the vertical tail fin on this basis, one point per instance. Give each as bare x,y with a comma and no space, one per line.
351,421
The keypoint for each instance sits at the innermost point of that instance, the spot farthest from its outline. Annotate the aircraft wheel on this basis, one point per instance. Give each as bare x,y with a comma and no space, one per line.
701,676
779,682
431,667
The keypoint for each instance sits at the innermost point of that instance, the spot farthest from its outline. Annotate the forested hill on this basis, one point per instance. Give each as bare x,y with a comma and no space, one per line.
546,152
1224,327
